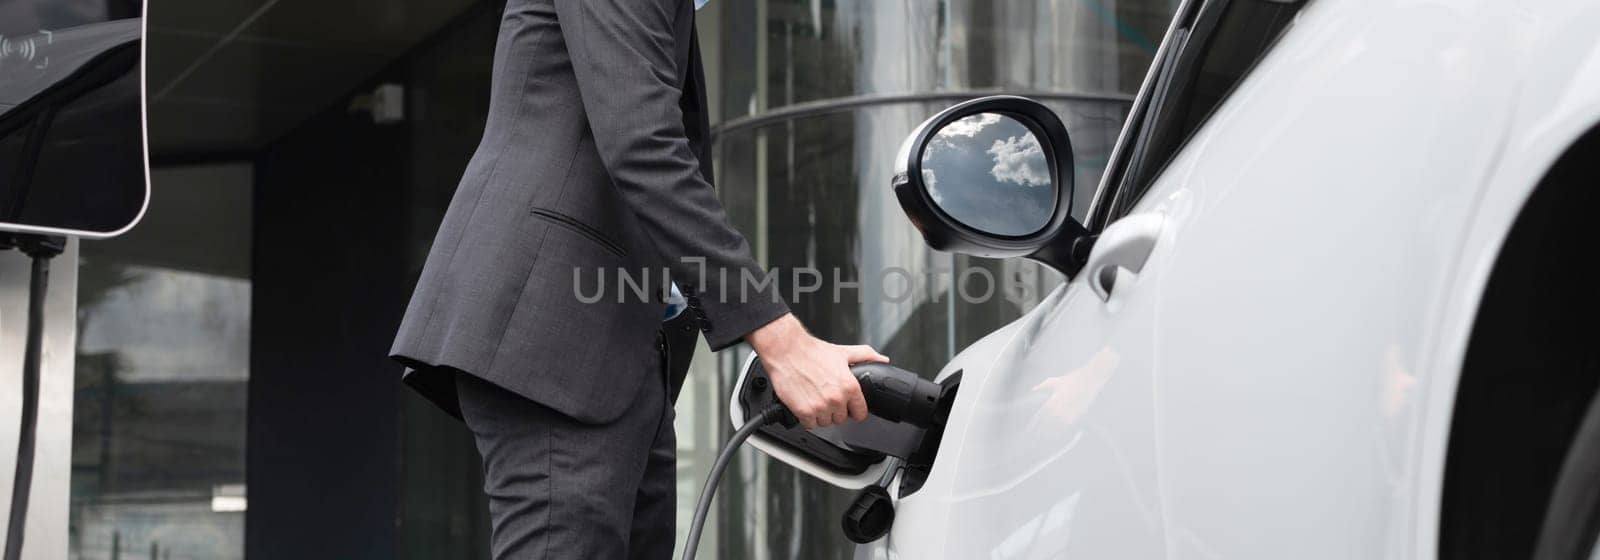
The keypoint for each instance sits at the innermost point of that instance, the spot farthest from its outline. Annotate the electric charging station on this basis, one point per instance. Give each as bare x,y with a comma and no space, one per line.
72,164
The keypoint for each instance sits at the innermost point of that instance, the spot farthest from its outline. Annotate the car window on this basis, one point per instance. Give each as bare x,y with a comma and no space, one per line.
1209,52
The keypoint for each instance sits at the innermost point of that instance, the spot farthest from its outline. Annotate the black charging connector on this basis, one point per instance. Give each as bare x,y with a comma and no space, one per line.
898,395
891,393
41,248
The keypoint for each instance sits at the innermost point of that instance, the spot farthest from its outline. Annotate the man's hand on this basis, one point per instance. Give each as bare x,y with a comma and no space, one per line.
812,377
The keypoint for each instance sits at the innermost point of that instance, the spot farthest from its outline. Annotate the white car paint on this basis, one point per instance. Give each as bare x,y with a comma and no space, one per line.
1276,379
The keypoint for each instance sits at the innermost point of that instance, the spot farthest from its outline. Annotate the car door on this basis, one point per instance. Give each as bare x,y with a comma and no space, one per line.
1060,452
1313,167
1052,448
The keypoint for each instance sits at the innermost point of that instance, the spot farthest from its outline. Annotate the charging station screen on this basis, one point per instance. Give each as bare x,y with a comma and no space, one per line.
71,125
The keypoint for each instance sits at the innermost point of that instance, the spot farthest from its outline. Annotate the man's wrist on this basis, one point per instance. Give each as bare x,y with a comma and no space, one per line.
773,337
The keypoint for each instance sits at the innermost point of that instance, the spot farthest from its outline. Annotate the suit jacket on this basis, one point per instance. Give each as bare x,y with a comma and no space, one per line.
595,157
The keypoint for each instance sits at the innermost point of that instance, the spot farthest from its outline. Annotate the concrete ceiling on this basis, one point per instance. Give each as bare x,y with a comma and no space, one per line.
228,76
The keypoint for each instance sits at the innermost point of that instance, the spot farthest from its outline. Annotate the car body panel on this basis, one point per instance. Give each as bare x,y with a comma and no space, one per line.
1278,379
1557,62
1056,445
1294,326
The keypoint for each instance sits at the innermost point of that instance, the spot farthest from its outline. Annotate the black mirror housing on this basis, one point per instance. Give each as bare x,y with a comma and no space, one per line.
1060,243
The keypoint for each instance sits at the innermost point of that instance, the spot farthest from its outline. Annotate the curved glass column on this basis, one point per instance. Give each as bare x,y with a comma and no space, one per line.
814,99
775,54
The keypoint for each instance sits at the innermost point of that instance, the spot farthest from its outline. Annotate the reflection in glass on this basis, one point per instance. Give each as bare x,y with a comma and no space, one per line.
778,54
159,415
989,172
163,374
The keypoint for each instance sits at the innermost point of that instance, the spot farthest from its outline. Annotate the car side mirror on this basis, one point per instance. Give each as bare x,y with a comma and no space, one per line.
992,177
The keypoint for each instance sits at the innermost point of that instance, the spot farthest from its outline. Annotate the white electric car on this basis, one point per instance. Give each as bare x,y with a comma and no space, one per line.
1335,298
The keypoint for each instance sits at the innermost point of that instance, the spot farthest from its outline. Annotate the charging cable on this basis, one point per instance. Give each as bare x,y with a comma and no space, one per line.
773,414
41,249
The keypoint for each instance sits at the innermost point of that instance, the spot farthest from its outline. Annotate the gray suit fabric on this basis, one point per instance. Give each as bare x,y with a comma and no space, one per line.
595,157
560,488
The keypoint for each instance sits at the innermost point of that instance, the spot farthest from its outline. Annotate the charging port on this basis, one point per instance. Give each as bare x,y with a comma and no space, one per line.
920,462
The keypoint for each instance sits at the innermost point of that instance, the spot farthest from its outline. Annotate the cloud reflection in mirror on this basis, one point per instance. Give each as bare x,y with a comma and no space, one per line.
989,172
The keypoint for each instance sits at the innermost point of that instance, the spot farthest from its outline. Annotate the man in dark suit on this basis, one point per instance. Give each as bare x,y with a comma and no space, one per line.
595,162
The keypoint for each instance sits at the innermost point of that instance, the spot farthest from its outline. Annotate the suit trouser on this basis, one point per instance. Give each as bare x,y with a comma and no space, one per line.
559,488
